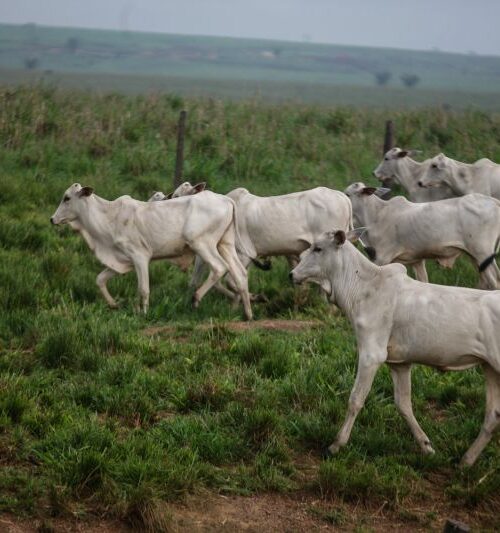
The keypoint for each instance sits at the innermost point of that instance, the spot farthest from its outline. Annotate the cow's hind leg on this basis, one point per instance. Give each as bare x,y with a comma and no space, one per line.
491,416
102,280
238,273
401,377
199,268
218,268
367,368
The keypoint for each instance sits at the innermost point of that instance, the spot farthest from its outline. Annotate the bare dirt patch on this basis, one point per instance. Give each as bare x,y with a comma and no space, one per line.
12,524
207,512
272,325
300,512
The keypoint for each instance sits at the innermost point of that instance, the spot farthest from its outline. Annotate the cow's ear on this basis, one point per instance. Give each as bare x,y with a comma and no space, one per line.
383,192
368,191
355,234
85,191
199,187
339,237
169,196
402,153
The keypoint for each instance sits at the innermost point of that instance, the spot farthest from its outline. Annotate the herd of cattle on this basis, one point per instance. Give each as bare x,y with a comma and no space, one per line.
454,209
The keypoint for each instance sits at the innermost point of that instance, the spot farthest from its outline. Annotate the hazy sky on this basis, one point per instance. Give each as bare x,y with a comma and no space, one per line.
452,25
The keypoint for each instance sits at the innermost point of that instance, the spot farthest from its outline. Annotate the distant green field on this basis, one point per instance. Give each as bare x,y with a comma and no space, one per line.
265,91
236,68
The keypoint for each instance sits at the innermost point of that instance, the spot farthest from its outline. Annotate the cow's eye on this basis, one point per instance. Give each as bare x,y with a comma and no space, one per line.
434,165
317,249
386,158
66,199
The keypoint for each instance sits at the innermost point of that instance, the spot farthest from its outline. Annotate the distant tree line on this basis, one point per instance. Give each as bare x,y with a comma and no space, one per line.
72,44
31,63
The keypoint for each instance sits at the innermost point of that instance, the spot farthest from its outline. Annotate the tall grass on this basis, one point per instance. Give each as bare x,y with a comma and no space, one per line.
95,416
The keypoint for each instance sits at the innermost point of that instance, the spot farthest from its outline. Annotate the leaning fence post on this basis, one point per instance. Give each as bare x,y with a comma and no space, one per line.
389,136
179,158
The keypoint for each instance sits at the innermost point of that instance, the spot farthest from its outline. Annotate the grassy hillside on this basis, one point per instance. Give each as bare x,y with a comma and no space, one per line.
98,418
207,65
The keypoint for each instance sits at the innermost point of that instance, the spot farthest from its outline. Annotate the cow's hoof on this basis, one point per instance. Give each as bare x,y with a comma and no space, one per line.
326,454
427,449
114,305
195,302
466,462
333,449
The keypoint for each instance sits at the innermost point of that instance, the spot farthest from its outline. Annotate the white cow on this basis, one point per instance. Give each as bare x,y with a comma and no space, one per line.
284,225
400,321
184,189
127,234
398,166
463,178
408,233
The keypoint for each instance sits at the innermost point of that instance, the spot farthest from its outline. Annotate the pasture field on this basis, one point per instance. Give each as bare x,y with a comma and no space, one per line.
270,92
111,415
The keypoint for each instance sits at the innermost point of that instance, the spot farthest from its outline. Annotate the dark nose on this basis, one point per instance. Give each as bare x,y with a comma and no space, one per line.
290,276
52,220
420,184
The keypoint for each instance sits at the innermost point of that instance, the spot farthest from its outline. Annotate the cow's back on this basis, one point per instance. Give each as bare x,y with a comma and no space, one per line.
287,224
432,324
488,177
168,227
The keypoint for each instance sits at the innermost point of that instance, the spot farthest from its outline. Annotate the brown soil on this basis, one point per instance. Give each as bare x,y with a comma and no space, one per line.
277,325
266,513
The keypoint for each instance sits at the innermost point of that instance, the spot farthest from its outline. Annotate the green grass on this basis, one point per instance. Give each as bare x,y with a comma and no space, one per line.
98,418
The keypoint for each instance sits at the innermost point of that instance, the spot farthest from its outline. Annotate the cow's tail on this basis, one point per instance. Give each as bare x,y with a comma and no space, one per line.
240,245
487,262
491,258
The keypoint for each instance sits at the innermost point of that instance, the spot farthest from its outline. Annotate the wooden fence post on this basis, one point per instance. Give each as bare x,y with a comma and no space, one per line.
389,136
179,158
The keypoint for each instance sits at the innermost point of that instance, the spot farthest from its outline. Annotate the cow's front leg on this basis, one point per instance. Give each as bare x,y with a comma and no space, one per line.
102,280
491,416
367,368
401,377
141,265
